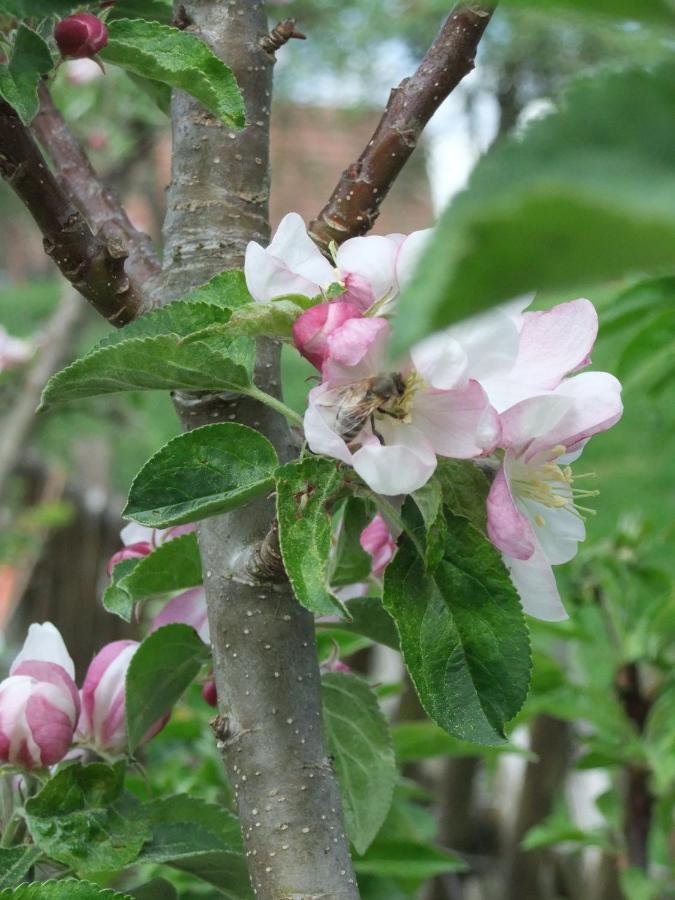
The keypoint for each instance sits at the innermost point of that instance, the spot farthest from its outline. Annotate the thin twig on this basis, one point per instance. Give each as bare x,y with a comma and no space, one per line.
58,336
94,266
77,177
355,203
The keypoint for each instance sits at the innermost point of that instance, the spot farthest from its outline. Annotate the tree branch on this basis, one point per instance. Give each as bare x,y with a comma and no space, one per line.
92,265
355,203
639,799
269,726
78,179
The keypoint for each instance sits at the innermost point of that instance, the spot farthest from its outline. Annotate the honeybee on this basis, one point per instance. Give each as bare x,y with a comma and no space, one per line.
352,405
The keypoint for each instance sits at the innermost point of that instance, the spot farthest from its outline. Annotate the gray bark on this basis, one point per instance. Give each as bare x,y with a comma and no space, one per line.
265,662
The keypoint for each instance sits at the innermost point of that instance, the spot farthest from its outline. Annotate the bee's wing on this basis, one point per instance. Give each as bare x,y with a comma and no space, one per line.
347,407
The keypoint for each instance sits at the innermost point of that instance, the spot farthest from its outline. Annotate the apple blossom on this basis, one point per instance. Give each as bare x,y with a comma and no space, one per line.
370,268
102,724
534,512
390,427
377,540
39,701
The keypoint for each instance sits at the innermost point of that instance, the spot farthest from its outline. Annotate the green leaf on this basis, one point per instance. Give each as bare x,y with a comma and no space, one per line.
182,317
647,362
82,819
305,490
165,664
173,566
359,741
425,740
350,563
393,859
38,9
465,489
64,889
162,363
659,738
204,472
154,10
179,59
16,863
656,10
367,616
273,319
156,889
580,198
227,289
200,838
558,828
30,59
463,633
116,599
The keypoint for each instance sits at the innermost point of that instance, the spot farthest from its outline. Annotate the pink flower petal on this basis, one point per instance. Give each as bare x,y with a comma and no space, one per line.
188,608
460,424
312,330
356,350
554,343
377,540
508,529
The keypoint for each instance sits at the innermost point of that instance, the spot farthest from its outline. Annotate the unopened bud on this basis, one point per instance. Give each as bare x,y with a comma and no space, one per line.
80,35
312,330
209,692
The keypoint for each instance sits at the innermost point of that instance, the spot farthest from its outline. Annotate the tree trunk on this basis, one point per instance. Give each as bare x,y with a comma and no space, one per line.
265,661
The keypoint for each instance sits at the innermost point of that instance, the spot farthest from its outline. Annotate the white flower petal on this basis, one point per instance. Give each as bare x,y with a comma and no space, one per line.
534,580
44,643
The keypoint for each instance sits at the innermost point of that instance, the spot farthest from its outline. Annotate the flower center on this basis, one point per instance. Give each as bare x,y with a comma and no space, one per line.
552,485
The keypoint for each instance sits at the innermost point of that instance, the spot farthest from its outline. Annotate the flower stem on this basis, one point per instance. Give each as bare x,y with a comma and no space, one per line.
274,403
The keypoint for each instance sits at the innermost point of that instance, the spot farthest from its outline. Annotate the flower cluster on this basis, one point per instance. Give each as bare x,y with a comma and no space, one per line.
500,385
43,716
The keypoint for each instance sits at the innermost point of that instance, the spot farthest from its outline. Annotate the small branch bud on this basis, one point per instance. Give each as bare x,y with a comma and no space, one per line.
280,35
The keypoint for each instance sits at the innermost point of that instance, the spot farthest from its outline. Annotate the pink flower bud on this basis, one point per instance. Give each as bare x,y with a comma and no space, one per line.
102,723
133,551
314,327
209,692
187,608
80,35
39,702
376,539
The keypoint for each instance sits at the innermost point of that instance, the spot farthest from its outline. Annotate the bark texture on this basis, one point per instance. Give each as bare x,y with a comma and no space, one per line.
355,203
94,266
80,182
269,725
